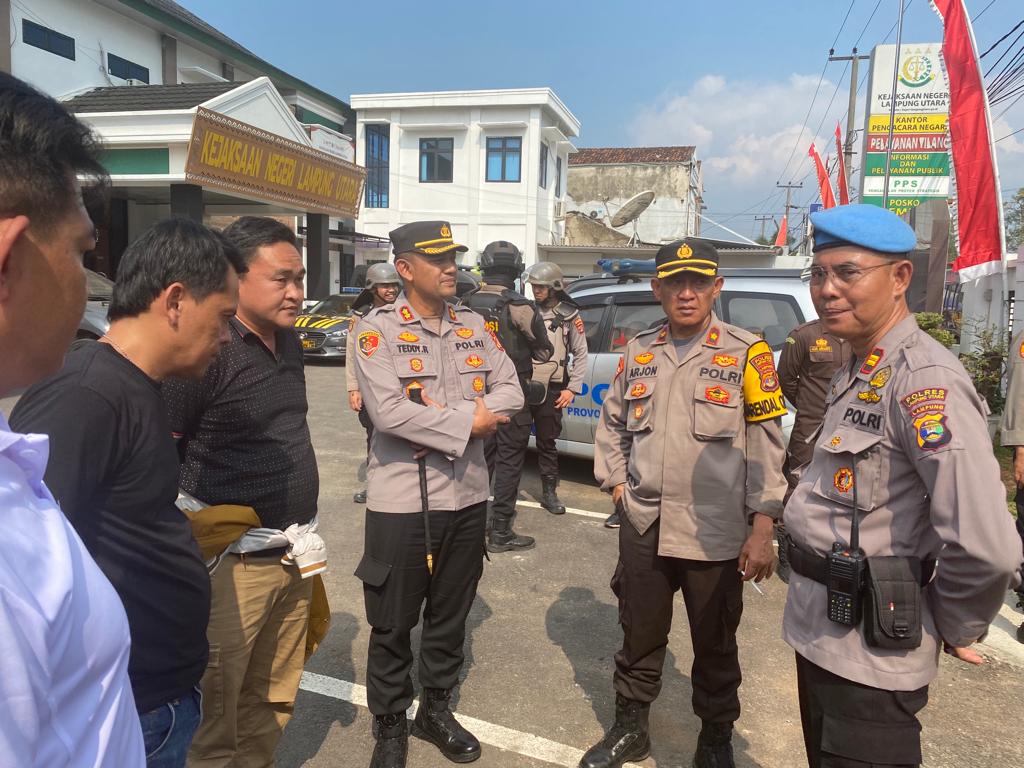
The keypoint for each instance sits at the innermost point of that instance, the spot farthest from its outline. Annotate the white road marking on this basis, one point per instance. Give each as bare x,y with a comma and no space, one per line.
569,510
499,736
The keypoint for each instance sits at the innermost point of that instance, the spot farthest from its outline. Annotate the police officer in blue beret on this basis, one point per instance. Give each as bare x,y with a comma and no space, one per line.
902,474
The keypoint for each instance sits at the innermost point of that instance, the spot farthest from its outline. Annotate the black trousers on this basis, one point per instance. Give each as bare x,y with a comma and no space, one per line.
849,725
364,419
505,453
645,584
395,587
547,424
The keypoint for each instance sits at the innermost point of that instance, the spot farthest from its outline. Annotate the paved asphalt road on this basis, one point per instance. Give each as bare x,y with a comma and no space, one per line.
543,630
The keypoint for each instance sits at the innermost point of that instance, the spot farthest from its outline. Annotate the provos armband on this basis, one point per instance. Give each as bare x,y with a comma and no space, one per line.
762,396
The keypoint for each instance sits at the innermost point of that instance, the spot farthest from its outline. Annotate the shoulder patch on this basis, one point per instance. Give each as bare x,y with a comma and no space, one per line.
368,343
762,396
621,367
494,338
577,323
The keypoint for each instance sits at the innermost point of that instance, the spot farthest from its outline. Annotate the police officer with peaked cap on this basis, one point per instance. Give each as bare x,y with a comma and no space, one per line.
381,287
520,330
560,381
689,441
469,386
903,444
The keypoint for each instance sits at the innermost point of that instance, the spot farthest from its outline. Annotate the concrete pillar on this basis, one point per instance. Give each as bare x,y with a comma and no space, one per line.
5,36
187,201
169,59
318,264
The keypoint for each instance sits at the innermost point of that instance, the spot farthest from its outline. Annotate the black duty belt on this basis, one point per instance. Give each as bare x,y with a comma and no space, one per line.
273,552
814,566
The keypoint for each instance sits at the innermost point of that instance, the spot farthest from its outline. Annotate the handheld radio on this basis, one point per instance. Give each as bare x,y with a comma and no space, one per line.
846,571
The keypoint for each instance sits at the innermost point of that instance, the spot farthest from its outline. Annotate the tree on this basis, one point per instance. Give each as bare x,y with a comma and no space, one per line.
1013,217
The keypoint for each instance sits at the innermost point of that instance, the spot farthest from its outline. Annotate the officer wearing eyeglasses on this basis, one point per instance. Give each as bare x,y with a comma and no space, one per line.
903,448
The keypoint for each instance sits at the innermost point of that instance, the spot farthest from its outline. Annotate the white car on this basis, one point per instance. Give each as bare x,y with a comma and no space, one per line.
616,307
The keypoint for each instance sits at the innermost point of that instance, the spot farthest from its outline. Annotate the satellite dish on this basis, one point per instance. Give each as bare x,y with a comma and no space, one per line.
632,208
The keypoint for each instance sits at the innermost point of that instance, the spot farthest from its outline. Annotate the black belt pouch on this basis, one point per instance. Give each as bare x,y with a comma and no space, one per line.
892,614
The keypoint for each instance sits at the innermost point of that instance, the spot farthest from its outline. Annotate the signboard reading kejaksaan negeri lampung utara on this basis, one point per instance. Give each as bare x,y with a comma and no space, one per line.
919,163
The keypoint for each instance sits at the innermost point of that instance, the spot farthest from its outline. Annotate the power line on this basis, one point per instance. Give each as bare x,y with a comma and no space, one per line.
1009,135
997,42
982,11
817,88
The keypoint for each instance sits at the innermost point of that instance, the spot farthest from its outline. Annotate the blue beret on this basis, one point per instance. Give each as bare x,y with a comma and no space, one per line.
867,226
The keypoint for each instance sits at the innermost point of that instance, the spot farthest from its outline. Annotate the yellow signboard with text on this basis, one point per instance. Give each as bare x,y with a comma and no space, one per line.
227,154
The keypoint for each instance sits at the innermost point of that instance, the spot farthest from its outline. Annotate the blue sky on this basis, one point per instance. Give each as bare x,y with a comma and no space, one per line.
734,78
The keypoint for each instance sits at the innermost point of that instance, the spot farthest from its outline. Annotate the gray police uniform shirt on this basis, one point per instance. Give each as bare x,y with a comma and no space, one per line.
1012,427
928,485
695,439
455,364
569,336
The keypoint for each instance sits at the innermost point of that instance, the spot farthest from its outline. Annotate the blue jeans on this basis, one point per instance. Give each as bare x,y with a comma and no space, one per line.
167,731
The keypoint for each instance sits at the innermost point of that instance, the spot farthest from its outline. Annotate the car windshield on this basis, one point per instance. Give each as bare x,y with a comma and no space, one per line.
100,288
333,305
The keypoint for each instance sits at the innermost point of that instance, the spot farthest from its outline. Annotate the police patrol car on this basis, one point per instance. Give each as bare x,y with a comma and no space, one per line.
324,327
618,304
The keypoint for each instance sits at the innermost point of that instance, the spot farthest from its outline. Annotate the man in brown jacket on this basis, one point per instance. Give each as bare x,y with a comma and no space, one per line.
689,443
903,449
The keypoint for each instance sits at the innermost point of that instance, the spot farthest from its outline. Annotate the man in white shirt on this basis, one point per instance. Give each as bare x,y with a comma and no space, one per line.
65,698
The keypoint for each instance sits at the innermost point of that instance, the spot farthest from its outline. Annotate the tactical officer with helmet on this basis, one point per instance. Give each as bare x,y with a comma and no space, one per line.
561,383
899,539
381,287
520,329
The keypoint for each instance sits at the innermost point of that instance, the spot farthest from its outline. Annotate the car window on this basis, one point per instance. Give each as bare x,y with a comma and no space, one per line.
770,315
630,319
333,305
591,317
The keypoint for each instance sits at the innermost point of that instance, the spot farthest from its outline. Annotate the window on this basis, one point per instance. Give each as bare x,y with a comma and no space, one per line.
770,315
631,319
503,157
543,165
591,317
377,161
128,70
436,159
558,177
39,36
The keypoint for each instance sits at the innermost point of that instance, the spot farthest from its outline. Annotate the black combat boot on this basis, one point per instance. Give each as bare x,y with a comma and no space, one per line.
503,539
614,520
628,741
714,746
549,499
435,723
392,733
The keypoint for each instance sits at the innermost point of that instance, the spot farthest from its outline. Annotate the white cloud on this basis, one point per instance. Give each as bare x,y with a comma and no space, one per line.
745,132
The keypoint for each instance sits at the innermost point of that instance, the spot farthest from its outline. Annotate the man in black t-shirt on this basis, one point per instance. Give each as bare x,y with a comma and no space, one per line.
114,469
244,440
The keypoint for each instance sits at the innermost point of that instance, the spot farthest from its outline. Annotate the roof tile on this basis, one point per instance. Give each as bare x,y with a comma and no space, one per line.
626,155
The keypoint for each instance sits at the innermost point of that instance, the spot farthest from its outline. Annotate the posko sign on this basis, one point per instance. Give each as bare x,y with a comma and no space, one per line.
919,163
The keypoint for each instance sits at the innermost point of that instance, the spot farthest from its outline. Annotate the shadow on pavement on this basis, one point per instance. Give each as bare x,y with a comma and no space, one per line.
587,630
320,713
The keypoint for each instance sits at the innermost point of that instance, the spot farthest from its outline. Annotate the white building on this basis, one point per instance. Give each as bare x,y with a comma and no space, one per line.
602,179
492,163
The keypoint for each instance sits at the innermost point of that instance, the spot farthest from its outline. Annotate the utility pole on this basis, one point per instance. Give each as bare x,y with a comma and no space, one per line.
763,219
851,113
789,193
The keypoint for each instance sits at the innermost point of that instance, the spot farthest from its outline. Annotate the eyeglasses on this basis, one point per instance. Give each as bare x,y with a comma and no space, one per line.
844,274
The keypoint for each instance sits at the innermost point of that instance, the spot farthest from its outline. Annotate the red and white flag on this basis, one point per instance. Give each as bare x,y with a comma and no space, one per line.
828,198
844,188
978,214
781,238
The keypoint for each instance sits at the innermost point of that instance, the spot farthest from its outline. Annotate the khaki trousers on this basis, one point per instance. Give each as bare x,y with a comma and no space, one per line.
257,635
